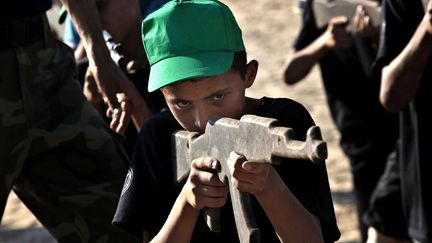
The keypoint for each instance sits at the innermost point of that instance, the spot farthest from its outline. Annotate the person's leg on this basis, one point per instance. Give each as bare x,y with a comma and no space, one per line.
14,140
366,170
385,215
75,169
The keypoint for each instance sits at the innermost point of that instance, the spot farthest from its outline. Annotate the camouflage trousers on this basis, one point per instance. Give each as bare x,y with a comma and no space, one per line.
56,152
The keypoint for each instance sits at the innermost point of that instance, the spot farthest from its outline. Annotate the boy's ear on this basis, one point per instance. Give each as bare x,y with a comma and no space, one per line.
251,72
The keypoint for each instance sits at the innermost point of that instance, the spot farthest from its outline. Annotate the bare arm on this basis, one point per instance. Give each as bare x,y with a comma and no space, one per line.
131,101
107,75
402,77
202,189
140,111
290,220
180,224
302,61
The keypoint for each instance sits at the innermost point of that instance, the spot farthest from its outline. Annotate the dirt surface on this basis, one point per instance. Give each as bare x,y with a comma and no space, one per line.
269,28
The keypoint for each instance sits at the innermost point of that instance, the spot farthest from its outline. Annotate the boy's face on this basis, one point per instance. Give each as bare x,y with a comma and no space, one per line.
194,102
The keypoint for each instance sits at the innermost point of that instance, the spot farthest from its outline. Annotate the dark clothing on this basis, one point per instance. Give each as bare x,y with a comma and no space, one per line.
401,19
368,132
23,8
148,6
150,189
56,152
19,31
154,100
388,218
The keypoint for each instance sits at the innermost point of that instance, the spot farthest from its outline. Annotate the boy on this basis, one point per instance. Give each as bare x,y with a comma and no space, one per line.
368,132
198,61
404,59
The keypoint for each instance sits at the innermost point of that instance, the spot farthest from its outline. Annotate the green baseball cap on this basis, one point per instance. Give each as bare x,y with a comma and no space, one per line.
189,38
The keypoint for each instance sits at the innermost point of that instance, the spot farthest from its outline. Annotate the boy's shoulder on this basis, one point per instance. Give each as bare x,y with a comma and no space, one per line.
287,111
282,104
159,126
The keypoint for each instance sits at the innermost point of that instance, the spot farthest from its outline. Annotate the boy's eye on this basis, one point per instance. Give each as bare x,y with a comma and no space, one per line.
181,104
218,97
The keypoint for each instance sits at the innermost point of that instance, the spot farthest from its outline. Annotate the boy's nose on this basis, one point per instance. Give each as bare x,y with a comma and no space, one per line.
201,118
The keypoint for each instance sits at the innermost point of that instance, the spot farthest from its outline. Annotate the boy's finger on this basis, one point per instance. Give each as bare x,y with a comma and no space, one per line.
109,112
125,117
211,202
339,21
205,163
203,172
368,21
253,167
211,191
252,178
210,178
121,125
247,187
235,161
115,116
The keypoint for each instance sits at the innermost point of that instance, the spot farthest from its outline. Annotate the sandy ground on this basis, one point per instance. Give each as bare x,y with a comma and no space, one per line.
269,28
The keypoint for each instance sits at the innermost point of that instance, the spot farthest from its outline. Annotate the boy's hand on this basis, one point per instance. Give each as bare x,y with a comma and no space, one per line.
336,34
427,20
203,187
248,176
110,80
120,114
363,26
119,125
92,94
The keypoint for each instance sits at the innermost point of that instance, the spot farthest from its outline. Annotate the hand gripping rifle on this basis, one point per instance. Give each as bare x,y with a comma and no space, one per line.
256,138
324,10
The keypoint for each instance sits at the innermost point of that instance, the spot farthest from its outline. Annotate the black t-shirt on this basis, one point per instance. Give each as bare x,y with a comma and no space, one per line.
401,19
23,8
352,93
154,100
150,188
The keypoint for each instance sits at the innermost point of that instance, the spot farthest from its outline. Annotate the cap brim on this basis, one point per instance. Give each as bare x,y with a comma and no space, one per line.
174,69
